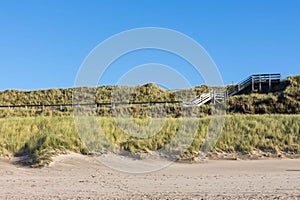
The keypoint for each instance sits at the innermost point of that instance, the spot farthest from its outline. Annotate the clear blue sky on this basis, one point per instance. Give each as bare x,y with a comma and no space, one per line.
43,43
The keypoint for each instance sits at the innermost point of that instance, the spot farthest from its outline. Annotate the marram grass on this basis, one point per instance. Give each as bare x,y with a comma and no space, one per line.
44,137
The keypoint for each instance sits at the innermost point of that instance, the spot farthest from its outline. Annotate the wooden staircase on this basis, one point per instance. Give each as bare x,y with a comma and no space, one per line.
215,96
202,99
253,82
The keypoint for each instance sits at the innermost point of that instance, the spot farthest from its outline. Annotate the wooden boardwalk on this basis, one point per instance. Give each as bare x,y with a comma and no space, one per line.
256,81
262,82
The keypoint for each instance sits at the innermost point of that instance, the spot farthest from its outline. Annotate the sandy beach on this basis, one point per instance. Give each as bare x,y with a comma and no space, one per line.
75,176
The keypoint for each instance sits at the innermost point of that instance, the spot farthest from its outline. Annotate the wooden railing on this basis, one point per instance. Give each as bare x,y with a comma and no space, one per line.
254,79
213,95
202,99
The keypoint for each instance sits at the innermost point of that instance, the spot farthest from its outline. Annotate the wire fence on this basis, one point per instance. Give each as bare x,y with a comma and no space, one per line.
43,106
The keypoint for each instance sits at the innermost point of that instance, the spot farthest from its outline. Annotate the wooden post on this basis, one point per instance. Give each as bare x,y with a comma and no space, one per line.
214,96
270,83
259,83
252,83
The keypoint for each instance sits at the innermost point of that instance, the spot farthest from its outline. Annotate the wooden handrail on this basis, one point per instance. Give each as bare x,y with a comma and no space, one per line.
256,78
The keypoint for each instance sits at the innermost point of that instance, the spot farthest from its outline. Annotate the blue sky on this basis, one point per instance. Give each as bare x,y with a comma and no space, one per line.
43,43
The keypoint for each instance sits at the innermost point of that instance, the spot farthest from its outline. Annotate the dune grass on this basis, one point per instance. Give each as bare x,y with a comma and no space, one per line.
41,137
44,137
283,99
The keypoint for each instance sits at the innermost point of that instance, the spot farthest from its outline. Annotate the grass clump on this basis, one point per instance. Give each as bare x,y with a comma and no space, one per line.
40,137
43,137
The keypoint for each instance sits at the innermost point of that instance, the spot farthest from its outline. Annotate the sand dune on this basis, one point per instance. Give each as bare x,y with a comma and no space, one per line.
74,176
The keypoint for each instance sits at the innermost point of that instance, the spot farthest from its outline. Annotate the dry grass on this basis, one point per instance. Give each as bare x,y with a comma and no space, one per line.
284,99
45,136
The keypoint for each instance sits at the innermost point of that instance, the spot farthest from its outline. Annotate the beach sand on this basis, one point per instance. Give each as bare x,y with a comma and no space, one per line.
74,176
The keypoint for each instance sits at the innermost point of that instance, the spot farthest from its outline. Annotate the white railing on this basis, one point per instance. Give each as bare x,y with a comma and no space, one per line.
206,97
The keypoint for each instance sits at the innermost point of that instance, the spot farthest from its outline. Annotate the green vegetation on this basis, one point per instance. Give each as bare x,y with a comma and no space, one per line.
44,137
284,99
41,137
104,94
43,133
